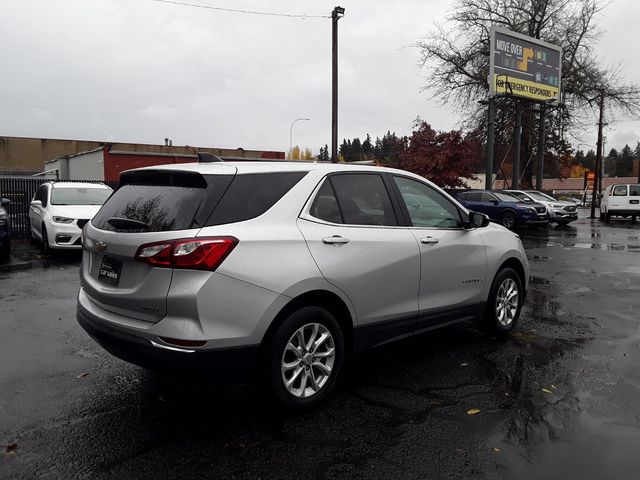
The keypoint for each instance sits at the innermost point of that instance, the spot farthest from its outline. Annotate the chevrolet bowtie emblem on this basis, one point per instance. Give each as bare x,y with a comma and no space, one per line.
101,246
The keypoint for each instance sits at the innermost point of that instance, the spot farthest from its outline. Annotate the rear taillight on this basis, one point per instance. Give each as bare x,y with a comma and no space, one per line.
205,253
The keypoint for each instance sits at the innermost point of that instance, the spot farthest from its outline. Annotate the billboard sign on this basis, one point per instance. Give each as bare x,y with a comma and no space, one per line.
524,67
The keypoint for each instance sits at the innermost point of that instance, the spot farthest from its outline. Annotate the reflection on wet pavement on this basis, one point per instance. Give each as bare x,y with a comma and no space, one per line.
582,416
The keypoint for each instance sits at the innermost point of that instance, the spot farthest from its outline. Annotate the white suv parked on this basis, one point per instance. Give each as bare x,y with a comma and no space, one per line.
59,210
284,269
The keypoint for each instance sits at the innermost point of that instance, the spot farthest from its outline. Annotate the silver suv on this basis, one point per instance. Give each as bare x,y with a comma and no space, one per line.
560,211
285,269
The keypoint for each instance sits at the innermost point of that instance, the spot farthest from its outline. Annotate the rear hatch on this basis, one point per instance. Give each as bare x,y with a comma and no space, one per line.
151,205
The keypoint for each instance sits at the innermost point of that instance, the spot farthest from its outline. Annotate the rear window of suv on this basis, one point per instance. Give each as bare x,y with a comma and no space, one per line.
160,201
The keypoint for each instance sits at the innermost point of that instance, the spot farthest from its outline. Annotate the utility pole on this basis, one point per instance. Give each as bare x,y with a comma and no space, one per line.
541,142
515,183
488,182
336,14
597,179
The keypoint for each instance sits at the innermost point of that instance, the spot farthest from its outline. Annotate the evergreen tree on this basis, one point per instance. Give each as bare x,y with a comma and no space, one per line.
367,147
624,167
345,149
356,151
324,154
611,163
590,160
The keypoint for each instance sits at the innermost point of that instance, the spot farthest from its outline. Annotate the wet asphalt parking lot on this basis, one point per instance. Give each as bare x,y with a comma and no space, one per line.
558,398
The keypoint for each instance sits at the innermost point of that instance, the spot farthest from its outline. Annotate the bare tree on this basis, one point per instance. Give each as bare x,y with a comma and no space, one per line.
456,55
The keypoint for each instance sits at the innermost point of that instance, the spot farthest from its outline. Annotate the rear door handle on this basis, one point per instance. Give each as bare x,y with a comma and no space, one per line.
429,240
335,240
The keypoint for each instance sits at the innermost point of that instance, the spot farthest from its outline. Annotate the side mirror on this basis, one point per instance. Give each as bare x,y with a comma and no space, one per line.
36,203
478,220
5,201
495,202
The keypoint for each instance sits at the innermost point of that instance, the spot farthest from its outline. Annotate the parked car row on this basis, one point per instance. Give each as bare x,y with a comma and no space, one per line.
515,208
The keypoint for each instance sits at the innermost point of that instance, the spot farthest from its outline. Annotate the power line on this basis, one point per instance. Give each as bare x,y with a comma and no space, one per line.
234,10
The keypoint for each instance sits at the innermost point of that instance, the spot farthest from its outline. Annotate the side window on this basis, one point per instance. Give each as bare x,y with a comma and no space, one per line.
427,207
473,197
363,199
41,194
325,205
634,190
487,197
620,191
251,194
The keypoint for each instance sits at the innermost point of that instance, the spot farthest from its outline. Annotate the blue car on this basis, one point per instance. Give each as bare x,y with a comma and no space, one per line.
505,208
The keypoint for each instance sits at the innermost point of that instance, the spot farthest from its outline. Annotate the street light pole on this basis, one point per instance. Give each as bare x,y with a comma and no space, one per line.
291,134
336,14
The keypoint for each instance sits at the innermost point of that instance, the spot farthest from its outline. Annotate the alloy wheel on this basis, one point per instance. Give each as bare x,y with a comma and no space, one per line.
308,359
507,302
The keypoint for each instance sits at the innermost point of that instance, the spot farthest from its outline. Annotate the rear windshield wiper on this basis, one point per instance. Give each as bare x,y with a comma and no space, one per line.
127,224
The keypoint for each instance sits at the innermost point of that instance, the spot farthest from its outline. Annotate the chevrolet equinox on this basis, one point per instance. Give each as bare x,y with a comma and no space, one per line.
285,269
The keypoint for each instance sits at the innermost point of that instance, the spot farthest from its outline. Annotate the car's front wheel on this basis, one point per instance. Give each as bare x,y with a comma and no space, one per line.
509,220
505,301
305,357
46,249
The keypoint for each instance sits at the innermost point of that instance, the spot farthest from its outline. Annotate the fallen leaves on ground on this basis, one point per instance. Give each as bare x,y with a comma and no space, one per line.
496,450
473,411
10,449
546,390
82,375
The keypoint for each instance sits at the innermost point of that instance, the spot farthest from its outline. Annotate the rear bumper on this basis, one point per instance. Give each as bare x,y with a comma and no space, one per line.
624,212
228,365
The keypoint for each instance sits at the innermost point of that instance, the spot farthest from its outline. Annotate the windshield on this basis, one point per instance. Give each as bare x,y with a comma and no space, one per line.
506,197
80,196
542,197
521,196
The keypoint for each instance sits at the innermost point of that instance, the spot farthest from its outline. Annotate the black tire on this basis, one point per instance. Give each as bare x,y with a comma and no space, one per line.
490,319
633,218
509,220
46,248
607,217
276,356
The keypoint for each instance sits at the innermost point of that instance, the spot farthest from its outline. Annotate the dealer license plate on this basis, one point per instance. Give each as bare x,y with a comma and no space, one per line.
110,270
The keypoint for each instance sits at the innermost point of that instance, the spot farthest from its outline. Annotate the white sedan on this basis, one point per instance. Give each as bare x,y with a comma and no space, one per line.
59,210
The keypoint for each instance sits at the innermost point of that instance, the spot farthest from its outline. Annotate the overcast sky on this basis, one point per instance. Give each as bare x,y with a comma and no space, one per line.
140,71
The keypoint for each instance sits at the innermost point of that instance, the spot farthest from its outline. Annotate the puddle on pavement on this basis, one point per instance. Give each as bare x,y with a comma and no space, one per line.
540,281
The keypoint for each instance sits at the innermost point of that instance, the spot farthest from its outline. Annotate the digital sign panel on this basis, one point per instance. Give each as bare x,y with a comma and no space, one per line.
524,67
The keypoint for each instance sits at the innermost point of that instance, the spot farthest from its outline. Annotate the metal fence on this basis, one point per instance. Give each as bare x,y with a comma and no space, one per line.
21,191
